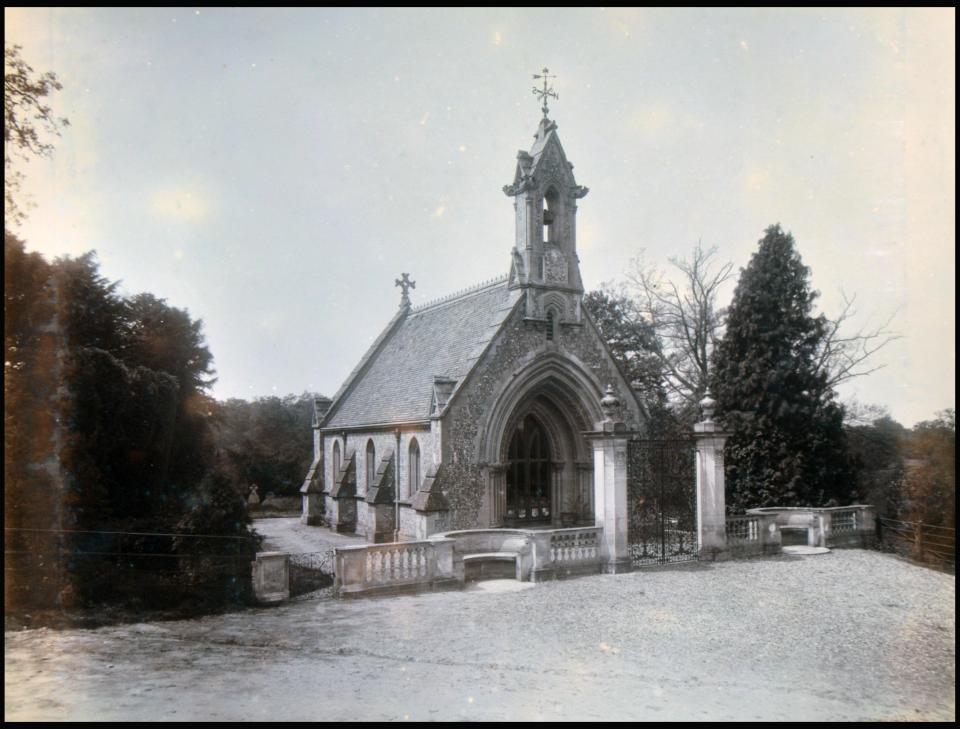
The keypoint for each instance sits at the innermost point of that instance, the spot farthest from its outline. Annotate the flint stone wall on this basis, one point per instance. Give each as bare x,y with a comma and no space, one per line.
464,485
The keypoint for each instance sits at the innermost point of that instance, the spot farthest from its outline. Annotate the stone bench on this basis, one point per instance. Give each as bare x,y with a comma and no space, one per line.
480,546
810,530
480,557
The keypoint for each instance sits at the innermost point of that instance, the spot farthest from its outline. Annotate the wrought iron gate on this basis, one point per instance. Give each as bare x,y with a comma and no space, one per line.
662,501
310,571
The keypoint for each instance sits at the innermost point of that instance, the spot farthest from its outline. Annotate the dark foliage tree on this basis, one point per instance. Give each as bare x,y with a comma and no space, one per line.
31,489
788,446
137,370
122,431
267,442
215,566
876,449
166,339
93,313
632,342
931,484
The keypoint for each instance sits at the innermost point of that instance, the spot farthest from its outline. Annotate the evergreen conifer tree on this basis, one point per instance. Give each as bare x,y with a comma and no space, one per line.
787,444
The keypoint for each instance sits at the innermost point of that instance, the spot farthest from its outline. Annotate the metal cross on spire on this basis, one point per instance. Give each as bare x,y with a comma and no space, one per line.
546,92
406,284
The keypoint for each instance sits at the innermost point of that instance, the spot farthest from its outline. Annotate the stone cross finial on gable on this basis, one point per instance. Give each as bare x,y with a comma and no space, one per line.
406,284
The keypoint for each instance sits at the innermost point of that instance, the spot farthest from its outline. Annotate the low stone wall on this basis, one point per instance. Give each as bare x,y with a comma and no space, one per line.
752,535
543,553
468,542
833,527
439,562
378,569
566,552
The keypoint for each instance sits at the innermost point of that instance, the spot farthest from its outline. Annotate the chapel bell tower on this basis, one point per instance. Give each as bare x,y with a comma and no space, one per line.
544,258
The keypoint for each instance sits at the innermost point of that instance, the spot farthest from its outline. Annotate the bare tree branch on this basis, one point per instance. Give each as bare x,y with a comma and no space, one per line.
686,316
843,356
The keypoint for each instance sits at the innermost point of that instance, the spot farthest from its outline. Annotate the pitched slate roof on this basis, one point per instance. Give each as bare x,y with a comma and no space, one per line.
394,381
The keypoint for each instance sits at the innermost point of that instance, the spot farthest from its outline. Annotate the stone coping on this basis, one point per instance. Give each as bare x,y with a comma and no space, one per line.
811,509
358,547
508,530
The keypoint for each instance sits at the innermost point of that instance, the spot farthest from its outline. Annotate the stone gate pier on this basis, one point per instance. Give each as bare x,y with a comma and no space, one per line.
610,486
711,485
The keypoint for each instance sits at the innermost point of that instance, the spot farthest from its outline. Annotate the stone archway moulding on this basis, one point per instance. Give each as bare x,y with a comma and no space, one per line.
542,371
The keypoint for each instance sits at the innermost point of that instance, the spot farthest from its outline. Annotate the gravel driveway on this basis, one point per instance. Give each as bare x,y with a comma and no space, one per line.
289,535
849,635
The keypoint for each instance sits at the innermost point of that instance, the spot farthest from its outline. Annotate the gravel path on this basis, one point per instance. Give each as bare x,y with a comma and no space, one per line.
850,635
289,535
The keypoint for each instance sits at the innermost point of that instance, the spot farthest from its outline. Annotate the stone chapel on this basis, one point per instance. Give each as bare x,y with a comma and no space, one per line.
471,411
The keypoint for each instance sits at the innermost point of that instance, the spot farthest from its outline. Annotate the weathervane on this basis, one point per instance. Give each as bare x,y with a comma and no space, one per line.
406,284
546,92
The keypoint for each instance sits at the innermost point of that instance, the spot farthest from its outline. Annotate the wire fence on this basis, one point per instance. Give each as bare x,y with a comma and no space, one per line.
42,566
928,543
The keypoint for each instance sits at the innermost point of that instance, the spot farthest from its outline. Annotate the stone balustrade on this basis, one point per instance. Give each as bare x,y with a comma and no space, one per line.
564,552
394,567
836,526
752,534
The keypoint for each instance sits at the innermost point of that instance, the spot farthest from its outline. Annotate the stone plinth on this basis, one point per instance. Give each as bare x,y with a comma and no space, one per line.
271,577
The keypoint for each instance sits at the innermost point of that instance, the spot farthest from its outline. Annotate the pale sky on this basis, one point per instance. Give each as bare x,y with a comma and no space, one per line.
273,171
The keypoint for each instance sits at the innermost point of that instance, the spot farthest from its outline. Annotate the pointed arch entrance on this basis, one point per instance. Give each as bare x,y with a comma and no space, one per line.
540,468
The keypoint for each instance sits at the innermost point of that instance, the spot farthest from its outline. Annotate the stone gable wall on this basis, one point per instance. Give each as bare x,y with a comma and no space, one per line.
464,484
